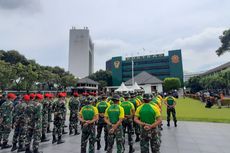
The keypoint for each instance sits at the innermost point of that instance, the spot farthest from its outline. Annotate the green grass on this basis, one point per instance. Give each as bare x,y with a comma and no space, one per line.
193,110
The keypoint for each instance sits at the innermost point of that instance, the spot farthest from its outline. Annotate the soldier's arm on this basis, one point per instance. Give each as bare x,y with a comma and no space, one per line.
138,121
107,121
158,122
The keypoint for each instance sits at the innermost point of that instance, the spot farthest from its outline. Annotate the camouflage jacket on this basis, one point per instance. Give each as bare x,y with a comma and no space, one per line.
59,108
74,105
6,110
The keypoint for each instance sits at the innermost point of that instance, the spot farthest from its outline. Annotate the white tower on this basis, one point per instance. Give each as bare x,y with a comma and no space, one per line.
81,52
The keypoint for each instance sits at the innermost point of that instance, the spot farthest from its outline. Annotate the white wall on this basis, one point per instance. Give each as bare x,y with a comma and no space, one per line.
79,48
147,87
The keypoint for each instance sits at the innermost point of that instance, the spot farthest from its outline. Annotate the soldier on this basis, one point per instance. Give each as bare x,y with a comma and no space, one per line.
6,119
136,103
148,117
83,99
58,108
114,116
88,116
73,118
50,112
35,123
102,106
128,120
170,102
21,122
45,110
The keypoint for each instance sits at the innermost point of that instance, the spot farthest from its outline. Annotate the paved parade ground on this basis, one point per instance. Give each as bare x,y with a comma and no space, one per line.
188,137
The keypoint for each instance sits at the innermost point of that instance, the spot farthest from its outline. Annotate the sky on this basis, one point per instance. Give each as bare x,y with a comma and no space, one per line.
39,29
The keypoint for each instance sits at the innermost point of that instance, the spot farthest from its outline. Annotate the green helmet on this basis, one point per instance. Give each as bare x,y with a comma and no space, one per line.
126,95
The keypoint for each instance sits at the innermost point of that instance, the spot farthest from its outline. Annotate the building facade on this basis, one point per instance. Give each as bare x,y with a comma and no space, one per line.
81,52
158,65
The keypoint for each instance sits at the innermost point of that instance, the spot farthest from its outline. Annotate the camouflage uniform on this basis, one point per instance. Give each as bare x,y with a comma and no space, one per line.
118,134
88,113
21,124
135,125
149,136
59,111
73,118
101,106
45,110
34,126
50,111
6,116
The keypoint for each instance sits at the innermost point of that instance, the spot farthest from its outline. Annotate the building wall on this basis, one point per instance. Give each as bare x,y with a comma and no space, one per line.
81,52
147,88
158,65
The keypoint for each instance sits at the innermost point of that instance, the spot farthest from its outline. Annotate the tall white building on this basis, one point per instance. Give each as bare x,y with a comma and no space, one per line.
81,52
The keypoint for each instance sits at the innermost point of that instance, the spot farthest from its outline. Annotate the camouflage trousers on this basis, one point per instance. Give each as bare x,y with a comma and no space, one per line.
35,133
128,123
136,128
58,126
49,115
149,137
73,121
173,112
88,133
100,125
20,132
118,135
44,123
5,130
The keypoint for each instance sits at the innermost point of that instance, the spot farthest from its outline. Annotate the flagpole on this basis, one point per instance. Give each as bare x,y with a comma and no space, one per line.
132,71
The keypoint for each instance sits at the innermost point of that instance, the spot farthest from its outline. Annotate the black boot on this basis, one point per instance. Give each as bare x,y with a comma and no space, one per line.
63,131
106,146
70,131
131,149
76,132
54,139
37,151
48,129
44,139
168,124
60,141
28,150
14,147
98,145
21,148
175,123
5,145
137,138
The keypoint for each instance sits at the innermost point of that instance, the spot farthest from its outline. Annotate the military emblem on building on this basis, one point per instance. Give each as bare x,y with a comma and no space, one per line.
175,59
117,64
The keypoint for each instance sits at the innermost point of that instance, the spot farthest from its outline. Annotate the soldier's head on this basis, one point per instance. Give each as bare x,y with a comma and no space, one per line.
104,97
116,99
61,96
47,96
126,96
11,96
32,96
26,98
147,97
39,97
75,94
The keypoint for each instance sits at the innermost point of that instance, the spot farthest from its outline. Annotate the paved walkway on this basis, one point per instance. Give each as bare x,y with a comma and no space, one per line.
188,137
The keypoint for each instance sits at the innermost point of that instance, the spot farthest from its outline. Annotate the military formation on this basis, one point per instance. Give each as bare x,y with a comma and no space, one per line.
134,114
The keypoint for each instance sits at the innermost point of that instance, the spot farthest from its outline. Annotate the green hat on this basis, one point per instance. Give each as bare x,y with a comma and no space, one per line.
126,95
147,97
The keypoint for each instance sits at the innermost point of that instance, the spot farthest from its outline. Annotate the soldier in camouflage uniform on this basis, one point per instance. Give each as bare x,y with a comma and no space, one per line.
73,118
35,123
45,110
6,119
58,108
102,106
88,116
50,111
84,99
148,117
128,120
20,116
114,116
136,103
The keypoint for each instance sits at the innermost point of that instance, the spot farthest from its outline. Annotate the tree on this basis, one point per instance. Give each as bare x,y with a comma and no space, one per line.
7,75
225,40
194,84
171,84
103,77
